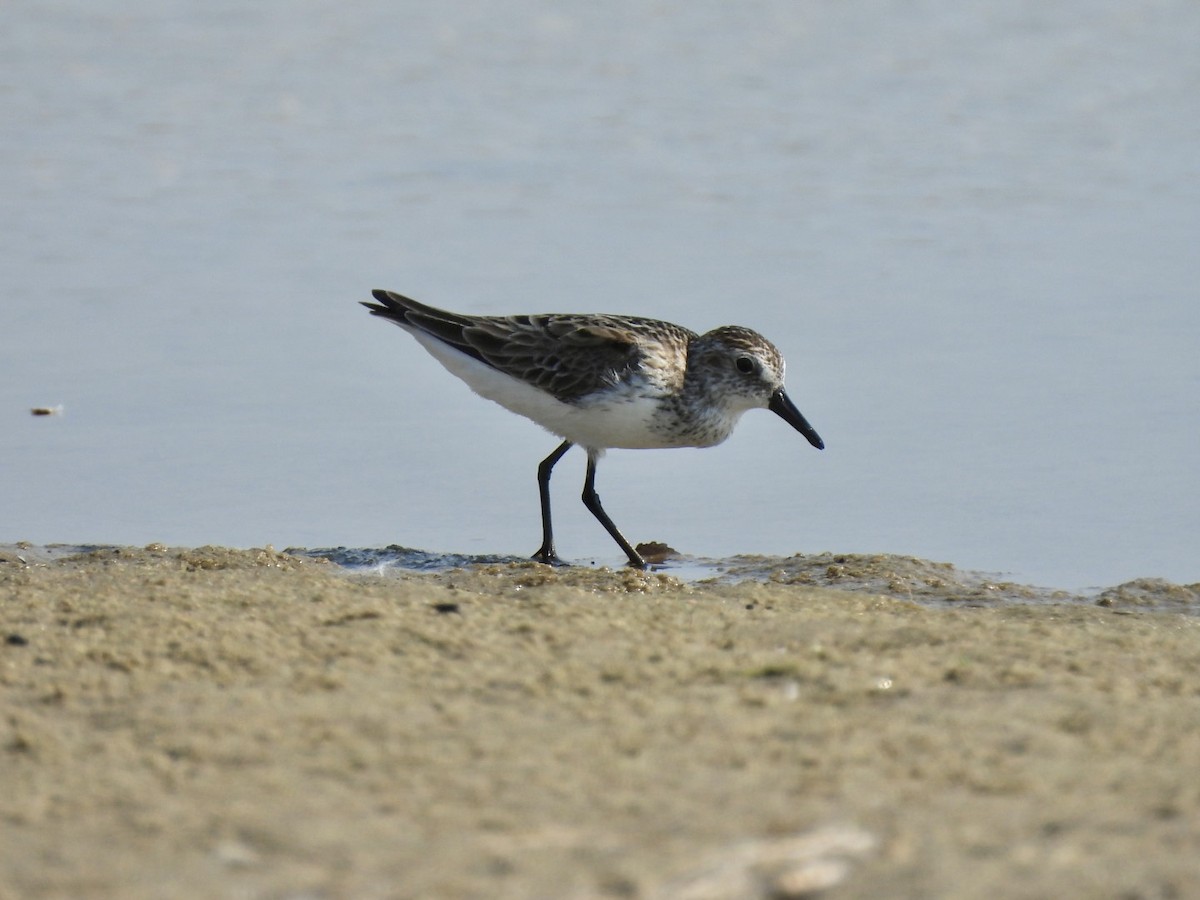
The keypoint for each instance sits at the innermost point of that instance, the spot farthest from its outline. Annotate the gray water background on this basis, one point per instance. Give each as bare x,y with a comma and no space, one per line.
972,228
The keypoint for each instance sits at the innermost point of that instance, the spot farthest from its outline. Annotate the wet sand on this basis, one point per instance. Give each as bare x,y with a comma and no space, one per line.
218,723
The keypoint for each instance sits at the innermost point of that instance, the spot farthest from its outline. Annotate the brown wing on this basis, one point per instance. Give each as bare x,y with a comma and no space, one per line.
567,355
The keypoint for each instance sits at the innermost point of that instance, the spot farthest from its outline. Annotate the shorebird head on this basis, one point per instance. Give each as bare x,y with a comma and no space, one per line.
742,370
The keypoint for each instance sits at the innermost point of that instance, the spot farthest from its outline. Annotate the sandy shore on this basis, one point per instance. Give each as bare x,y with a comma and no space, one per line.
216,723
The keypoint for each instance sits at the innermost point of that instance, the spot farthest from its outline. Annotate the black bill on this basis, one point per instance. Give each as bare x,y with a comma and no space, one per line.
783,407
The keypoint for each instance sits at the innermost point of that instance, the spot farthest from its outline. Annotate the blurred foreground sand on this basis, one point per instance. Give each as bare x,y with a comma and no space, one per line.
219,723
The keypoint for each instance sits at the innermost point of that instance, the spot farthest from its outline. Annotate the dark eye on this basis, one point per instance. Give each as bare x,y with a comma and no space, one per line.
744,364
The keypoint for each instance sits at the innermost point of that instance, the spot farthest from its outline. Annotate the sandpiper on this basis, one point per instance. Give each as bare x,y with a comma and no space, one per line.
604,381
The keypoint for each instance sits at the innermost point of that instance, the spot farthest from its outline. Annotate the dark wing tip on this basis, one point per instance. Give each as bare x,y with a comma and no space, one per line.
390,305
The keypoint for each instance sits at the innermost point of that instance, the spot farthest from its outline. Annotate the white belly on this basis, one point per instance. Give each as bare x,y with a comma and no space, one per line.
622,422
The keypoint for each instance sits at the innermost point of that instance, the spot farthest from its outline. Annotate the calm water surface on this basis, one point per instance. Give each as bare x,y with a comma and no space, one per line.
971,228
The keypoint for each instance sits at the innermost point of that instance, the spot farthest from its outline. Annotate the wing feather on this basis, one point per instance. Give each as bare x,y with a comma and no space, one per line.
567,355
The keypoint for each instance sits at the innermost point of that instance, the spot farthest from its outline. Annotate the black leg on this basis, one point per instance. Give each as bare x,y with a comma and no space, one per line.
592,501
546,552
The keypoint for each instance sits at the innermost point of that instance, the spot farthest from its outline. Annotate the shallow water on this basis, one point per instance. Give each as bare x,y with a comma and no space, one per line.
971,229
918,580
